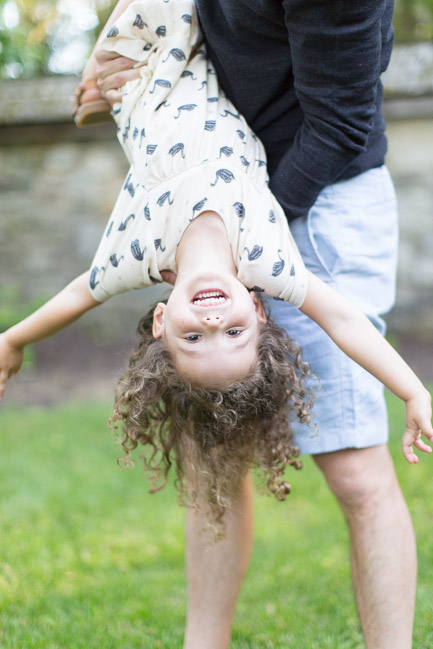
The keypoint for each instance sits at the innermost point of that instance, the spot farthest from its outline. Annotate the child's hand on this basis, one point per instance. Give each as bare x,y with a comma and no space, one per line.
418,422
11,359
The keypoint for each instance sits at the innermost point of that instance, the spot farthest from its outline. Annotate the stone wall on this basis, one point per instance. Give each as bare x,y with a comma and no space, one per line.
410,160
58,185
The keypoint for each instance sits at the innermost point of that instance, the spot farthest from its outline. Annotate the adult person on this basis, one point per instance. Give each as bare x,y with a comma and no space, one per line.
306,75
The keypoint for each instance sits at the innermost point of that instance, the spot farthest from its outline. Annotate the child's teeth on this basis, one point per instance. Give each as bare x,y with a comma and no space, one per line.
210,298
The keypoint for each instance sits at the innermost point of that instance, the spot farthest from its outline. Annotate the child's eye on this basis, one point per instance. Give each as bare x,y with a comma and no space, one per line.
233,332
192,338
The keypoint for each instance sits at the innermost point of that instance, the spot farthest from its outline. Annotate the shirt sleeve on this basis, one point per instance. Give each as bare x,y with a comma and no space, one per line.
336,54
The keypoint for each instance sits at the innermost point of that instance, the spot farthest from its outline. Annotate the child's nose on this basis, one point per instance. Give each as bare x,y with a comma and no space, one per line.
213,320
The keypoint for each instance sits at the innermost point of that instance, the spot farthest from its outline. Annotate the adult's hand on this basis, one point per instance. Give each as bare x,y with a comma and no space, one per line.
168,276
112,72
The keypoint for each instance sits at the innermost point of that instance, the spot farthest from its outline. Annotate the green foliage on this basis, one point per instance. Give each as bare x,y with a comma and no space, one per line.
26,47
89,559
13,309
413,20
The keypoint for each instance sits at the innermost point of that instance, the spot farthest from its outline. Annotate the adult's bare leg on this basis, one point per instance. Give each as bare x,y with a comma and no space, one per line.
382,541
215,571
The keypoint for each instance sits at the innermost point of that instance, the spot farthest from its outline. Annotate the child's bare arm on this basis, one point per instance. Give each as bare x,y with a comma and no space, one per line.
353,332
63,309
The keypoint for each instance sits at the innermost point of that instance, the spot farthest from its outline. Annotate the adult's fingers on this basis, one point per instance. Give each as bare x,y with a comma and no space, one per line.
113,96
168,276
117,79
3,379
108,63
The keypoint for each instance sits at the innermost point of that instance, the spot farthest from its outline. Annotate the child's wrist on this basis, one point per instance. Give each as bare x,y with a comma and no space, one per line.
12,341
418,391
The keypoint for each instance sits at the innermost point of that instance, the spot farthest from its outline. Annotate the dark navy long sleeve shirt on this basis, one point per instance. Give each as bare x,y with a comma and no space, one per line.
305,74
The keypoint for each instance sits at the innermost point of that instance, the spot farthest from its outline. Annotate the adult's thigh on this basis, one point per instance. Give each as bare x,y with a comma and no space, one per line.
349,240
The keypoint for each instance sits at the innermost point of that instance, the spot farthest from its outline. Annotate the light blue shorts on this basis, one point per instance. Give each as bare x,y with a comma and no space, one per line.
349,239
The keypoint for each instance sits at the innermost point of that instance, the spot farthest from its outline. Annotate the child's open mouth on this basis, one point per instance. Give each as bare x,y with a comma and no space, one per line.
212,297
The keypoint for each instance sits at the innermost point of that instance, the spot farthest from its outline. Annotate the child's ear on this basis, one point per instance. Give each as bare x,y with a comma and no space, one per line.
158,320
261,315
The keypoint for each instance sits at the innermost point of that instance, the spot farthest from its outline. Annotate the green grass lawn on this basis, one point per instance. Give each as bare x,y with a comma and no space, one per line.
89,560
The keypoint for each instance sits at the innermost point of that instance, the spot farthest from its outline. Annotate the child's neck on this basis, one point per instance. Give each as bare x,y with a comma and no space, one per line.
204,245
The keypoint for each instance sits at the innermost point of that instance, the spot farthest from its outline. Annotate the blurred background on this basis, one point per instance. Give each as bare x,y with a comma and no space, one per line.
58,185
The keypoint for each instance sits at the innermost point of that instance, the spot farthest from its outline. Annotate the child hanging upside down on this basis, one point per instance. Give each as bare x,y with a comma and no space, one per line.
212,379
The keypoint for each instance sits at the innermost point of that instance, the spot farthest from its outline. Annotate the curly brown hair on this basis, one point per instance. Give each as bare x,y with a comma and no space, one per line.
213,436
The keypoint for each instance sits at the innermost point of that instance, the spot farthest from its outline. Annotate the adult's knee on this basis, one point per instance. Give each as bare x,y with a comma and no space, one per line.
359,477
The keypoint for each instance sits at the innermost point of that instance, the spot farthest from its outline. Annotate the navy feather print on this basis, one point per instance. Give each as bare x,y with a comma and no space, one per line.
187,18
177,54
177,148
93,275
209,125
147,213
128,186
163,103
187,107
136,251
225,175
139,22
226,113
115,261
188,73
158,245
110,227
161,31
162,83
113,32
245,162
239,209
277,268
272,218
163,198
226,150
151,148
198,206
128,178
255,253
292,270
124,223
126,131
240,212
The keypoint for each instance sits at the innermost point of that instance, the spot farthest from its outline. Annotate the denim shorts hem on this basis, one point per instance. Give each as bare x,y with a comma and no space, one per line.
349,239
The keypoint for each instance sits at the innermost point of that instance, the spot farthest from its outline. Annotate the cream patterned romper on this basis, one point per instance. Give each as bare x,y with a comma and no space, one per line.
190,151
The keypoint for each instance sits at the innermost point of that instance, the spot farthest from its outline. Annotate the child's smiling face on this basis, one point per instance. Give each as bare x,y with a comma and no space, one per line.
211,327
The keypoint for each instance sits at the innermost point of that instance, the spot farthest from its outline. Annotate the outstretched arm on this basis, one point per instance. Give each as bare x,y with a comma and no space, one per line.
59,312
353,332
